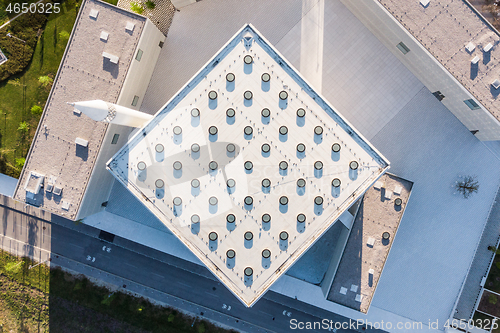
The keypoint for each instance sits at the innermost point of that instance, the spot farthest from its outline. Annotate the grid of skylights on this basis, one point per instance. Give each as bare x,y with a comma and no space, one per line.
247,165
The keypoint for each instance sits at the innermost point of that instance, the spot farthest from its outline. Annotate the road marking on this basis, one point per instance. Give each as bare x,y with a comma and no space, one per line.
207,292
126,263
161,276
183,284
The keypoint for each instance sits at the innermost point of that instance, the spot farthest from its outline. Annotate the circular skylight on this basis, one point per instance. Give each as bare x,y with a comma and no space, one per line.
266,253
195,219
195,183
266,183
301,113
283,130
230,113
266,148
230,218
283,95
212,165
212,95
195,112
353,165
301,182
195,147
177,201
248,130
177,130
141,166
266,218
284,200
248,165
318,165
266,77
265,113
212,201
301,147
248,235
212,130
318,130
335,147
230,148
318,201
301,218
283,235
248,200
336,182
231,183
159,183
230,77
212,236
159,148
248,271
177,165
248,59
230,254
283,165
248,95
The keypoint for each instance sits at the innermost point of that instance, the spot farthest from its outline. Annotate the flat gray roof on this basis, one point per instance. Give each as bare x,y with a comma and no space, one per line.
366,250
84,74
445,28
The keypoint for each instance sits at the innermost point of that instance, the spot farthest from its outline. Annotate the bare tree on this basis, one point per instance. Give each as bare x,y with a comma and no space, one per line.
467,186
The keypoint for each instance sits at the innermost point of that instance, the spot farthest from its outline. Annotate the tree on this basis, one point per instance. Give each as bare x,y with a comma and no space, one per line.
45,80
36,110
136,7
150,4
467,186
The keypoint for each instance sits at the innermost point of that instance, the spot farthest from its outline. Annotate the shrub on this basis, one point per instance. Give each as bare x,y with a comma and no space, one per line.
45,80
20,162
150,4
493,299
19,53
36,110
23,127
171,317
136,7
64,35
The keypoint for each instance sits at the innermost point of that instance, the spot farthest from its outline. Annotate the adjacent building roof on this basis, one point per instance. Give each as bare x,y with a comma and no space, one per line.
66,144
457,36
248,165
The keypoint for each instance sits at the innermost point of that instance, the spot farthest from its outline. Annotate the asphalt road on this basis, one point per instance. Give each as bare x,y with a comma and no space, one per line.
160,271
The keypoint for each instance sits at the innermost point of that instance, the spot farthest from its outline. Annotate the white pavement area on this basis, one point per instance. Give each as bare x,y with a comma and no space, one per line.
7,185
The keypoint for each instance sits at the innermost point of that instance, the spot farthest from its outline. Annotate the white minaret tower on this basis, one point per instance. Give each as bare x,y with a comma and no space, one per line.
111,113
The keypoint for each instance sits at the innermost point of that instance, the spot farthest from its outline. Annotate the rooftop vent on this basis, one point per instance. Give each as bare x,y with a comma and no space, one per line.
94,13
470,47
495,84
130,26
398,202
424,2
34,182
57,190
65,205
104,36
488,47
474,60
114,59
81,142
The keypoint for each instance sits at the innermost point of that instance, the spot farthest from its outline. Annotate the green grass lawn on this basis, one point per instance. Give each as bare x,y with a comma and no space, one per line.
45,300
46,58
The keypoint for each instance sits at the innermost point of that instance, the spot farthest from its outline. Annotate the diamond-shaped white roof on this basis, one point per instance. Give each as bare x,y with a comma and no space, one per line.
241,165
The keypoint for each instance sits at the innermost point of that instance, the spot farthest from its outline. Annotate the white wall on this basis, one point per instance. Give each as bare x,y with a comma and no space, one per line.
140,72
424,66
